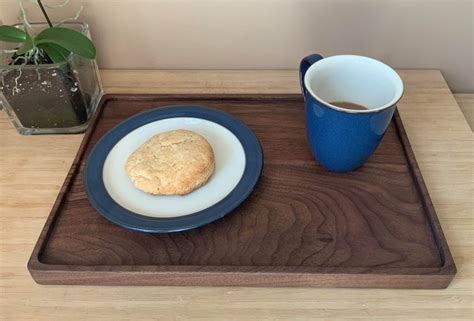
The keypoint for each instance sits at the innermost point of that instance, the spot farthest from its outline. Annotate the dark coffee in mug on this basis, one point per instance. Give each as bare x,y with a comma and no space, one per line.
348,105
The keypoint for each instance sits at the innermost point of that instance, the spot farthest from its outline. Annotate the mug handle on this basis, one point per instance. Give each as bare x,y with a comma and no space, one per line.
304,65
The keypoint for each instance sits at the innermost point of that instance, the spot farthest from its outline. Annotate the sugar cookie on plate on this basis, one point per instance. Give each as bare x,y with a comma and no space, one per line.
171,163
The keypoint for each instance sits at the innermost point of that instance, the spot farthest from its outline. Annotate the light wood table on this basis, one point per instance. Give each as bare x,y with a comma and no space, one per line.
33,168
466,102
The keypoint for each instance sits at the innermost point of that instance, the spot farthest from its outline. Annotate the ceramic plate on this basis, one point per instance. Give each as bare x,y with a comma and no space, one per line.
238,165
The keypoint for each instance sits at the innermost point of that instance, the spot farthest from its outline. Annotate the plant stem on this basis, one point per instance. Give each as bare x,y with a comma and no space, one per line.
44,13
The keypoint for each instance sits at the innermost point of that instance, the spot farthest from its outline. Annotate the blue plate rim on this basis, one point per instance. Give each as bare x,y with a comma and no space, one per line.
100,199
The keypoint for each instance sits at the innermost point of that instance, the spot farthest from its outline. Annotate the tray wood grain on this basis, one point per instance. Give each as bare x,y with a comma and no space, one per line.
302,226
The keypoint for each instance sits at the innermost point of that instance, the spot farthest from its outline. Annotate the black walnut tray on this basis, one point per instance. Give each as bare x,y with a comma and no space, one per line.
302,226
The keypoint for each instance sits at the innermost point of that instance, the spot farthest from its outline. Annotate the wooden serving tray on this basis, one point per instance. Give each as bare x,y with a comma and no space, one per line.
302,226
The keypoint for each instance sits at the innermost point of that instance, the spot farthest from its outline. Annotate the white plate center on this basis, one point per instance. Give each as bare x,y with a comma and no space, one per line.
229,168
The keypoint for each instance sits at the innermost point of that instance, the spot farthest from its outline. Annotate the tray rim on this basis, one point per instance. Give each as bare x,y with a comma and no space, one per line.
222,275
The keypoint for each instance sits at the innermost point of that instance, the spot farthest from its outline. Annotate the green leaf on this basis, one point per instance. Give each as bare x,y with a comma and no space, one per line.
12,34
27,46
71,40
55,52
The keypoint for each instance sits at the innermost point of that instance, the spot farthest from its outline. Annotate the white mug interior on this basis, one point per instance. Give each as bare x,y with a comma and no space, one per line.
354,79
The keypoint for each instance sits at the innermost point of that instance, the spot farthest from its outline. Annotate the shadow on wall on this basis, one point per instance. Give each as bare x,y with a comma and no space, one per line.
205,34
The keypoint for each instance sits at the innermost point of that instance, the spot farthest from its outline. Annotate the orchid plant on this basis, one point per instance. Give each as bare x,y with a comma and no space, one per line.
56,42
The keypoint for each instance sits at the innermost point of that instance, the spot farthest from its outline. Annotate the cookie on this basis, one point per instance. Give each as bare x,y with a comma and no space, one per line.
171,163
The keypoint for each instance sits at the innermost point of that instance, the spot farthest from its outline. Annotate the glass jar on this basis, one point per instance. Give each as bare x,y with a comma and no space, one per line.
50,98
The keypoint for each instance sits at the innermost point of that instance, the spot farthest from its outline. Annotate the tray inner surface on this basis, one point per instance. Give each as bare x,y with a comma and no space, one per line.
299,215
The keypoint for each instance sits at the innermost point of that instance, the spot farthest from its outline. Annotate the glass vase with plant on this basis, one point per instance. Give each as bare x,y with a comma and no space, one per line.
49,80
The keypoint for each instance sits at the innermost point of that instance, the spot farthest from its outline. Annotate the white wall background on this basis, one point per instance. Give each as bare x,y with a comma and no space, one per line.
275,34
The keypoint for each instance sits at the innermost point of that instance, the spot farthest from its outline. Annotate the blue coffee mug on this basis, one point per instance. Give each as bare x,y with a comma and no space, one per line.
342,139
